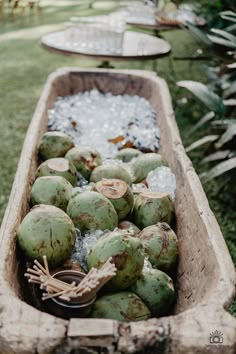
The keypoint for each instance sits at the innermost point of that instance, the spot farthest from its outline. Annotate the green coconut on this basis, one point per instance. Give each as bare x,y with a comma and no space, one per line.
54,144
127,154
92,211
160,245
51,190
152,207
145,163
47,230
127,254
85,159
122,306
58,166
156,290
110,171
129,226
119,194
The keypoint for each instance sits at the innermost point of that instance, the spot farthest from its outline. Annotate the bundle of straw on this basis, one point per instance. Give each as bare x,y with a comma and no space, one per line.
85,290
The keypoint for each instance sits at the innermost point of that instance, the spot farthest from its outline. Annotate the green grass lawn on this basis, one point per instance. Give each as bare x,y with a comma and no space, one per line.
25,65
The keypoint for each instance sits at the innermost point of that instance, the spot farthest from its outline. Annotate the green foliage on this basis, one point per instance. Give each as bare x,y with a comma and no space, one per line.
210,9
219,169
201,91
220,155
228,15
222,126
199,34
224,38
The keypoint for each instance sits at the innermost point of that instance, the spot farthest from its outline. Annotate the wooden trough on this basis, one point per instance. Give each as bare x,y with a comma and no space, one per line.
206,276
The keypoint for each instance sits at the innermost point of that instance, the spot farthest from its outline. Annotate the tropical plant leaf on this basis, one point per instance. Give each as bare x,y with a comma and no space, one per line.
218,155
228,15
230,28
230,102
224,34
228,135
209,98
231,53
206,118
232,66
198,33
224,80
221,41
231,90
212,73
219,169
202,141
223,122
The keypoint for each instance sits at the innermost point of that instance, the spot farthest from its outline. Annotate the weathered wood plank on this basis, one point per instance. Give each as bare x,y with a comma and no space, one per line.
206,276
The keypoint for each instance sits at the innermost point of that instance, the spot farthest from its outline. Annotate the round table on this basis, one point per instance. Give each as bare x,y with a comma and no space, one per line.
165,24
135,46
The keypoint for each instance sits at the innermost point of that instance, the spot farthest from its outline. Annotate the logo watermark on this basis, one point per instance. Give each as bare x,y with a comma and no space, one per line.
216,337
216,343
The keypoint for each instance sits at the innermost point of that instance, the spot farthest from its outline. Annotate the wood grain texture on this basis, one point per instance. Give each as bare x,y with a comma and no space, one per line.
206,276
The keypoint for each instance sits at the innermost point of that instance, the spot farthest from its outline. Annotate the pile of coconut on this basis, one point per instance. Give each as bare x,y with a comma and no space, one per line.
75,190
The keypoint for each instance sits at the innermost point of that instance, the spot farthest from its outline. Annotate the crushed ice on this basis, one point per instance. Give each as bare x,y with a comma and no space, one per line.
110,122
83,244
147,266
162,180
139,187
94,118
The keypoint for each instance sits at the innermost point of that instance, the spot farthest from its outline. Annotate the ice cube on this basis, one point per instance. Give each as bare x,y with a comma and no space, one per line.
147,266
94,118
162,180
83,244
